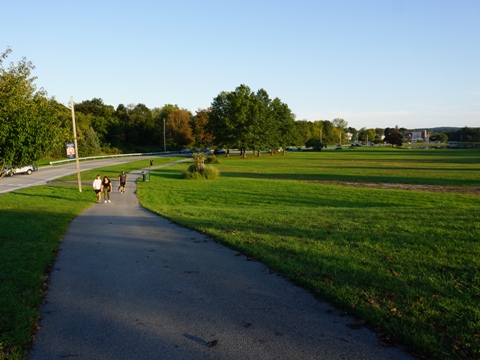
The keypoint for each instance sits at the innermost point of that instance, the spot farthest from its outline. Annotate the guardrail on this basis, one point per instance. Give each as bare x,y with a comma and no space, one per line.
106,157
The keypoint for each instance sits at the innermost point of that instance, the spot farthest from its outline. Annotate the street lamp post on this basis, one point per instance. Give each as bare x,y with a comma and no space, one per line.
76,145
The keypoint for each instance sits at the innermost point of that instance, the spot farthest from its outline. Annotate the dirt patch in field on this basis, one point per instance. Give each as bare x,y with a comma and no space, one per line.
465,190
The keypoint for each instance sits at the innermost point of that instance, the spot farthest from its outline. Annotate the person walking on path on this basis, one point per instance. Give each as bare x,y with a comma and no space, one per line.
97,187
122,181
106,188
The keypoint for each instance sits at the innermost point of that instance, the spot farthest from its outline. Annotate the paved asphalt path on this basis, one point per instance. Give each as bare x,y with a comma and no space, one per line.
129,284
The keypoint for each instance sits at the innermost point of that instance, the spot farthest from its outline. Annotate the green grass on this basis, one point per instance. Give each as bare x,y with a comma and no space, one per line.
33,222
405,261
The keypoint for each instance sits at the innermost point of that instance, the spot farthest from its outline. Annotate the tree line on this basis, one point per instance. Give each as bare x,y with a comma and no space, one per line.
34,126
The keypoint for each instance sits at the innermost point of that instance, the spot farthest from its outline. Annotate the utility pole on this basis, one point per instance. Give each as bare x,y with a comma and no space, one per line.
164,137
76,145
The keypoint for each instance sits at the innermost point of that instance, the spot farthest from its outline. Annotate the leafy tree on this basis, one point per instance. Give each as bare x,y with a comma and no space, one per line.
367,134
464,134
393,137
118,130
249,120
287,131
102,119
467,134
160,117
314,143
64,133
178,128
203,138
260,121
230,120
29,124
379,131
441,137
330,133
140,127
305,131
322,130
88,143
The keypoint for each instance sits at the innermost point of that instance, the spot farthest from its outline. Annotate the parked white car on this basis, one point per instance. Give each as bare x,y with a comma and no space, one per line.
28,169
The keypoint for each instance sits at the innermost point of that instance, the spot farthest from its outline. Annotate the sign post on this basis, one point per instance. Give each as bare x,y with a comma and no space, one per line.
76,145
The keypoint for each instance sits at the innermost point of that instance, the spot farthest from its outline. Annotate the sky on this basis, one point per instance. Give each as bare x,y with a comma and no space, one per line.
374,63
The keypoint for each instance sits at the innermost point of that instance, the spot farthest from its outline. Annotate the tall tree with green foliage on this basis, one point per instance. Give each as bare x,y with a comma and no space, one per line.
29,126
140,128
287,133
229,120
102,119
250,121
393,136
305,130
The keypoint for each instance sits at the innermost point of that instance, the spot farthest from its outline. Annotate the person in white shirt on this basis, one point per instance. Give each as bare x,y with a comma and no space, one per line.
97,187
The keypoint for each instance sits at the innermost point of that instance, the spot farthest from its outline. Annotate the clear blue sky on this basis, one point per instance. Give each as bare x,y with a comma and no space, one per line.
374,63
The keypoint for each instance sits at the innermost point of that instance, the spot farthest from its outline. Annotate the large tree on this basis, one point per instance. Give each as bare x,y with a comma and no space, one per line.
199,123
178,130
230,120
29,124
393,136
306,131
102,119
250,121
140,129
287,133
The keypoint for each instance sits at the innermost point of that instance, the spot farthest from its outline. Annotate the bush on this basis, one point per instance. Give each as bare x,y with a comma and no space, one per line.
208,173
212,159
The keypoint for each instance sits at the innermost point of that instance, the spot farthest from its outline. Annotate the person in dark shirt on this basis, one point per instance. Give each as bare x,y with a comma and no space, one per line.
122,182
106,188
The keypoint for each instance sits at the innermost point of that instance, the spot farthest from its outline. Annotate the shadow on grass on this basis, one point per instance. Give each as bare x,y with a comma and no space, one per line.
368,174
353,178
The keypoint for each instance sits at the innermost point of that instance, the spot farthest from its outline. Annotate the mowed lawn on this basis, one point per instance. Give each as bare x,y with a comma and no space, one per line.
390,236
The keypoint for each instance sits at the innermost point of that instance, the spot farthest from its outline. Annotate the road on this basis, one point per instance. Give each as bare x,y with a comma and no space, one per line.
48,173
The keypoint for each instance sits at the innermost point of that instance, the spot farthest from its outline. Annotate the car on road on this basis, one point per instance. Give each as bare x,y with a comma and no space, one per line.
219,151
185,151
11,170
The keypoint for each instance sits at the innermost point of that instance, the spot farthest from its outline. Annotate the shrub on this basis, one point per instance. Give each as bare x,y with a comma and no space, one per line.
212,159
208,173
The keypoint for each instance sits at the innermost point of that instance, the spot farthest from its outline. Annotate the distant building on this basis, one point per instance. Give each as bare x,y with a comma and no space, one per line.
415,136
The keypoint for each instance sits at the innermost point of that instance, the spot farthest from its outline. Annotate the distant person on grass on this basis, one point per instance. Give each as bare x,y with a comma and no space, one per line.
97,187
122,181
107,189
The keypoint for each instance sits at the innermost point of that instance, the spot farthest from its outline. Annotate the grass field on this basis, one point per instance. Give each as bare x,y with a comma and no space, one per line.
389,235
